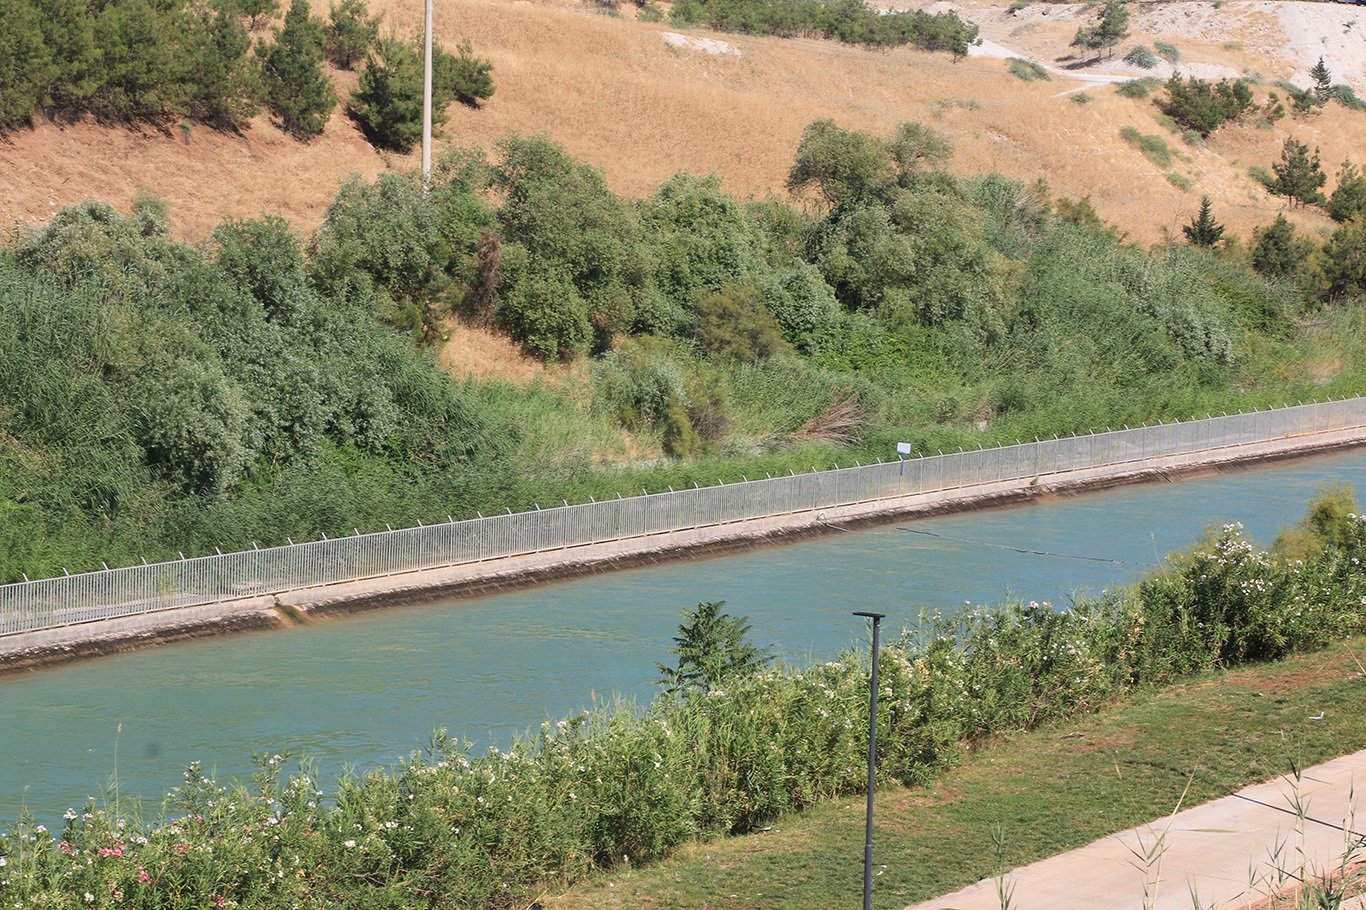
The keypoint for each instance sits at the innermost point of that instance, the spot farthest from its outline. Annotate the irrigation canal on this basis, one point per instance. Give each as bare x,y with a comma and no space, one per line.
366,690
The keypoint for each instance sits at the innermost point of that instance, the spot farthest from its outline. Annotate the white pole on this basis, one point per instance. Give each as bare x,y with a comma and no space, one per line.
427,100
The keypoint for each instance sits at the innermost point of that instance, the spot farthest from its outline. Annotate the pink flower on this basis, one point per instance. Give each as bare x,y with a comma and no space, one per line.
143,877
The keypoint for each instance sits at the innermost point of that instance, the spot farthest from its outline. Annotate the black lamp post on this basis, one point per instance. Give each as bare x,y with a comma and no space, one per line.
872,760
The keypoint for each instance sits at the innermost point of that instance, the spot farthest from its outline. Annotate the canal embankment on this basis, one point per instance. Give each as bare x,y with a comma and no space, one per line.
258,612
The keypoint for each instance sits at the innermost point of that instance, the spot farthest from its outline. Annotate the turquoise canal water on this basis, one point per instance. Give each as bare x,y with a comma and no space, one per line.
367,690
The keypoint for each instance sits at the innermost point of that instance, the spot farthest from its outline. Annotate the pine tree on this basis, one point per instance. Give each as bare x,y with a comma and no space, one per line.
1113,27
297,89
1344,260
712,647
1349,197
1204,231
462,76
351,30
1323,82
1277,252
1298,176
224,83
388,98
24,58
258,12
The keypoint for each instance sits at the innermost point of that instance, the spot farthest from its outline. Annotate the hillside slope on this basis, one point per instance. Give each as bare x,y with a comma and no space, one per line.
618,94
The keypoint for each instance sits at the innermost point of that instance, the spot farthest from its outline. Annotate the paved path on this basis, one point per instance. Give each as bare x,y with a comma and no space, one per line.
1227,851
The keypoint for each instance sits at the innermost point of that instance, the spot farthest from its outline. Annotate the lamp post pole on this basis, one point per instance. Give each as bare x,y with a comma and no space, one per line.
872,761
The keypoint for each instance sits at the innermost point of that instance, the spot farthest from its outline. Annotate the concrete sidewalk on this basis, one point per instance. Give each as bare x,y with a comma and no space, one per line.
1226,852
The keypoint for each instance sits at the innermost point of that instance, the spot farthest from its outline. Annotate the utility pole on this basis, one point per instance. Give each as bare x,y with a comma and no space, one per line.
872,766
427,100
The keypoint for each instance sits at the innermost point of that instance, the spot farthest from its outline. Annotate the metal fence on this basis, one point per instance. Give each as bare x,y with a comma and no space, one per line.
68,600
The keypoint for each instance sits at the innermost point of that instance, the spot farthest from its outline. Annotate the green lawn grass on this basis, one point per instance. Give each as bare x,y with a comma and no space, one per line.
1051,790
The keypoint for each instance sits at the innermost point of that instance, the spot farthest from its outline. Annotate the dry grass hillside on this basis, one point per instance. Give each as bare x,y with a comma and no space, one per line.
617,93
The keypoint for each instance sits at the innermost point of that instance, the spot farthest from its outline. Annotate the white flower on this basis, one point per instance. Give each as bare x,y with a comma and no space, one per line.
350,843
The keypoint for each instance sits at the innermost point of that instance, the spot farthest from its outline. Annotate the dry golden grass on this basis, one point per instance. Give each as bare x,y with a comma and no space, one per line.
471,352
615,94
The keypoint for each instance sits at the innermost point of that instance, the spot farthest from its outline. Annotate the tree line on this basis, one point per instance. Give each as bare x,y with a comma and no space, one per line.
134,61
849,21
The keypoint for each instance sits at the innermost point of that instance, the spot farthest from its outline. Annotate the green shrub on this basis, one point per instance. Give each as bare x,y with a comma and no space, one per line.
1348,200
700,239
638,381
1169,52
1204,106
1263,176
543,310
462,76
1026,70
1138,88
804,306
570,228
1080,98
385,239
1154,148
1141,57
1347,97
734,324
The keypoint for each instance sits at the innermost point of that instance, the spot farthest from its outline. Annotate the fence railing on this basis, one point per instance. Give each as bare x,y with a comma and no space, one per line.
72,599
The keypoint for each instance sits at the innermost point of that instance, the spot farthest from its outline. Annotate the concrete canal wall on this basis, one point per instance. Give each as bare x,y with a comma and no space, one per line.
31,650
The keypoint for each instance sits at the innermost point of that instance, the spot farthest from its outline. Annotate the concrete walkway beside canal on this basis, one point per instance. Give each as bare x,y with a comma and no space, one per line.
1230,853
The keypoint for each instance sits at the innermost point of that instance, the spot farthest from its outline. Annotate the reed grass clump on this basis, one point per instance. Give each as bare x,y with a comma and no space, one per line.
626,783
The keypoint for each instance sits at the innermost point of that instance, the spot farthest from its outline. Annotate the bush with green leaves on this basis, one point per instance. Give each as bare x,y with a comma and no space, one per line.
584,258
1154,148
1204,106
701,240
1342,263
1141,56
1346,96
462,76
1138,88
713,648
385,239
1026,70
734,324
1203,231
387,102
849,21
804,306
